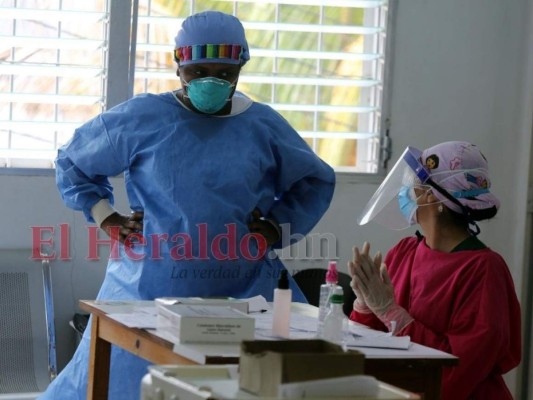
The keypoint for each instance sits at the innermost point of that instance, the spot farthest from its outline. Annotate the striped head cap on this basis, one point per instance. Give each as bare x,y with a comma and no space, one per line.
211,37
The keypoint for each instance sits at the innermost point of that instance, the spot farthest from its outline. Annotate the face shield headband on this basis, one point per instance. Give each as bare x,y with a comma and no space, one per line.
408,172
473,227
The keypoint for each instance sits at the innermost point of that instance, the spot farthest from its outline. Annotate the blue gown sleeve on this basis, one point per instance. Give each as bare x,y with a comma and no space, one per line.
305,186
83,166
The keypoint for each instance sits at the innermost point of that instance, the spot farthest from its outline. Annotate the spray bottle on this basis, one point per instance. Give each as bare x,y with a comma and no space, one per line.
326,290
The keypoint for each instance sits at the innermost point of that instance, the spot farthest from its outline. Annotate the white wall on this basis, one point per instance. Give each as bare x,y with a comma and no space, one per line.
33,201
461,71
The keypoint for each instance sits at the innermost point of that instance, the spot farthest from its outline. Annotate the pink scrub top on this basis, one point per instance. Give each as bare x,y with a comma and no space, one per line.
463,303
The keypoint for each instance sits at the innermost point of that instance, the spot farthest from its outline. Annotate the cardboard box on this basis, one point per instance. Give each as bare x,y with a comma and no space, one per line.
265,364
238,304
205,324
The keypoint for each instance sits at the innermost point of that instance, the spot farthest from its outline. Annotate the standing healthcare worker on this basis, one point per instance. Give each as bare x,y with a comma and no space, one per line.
210,176
444,289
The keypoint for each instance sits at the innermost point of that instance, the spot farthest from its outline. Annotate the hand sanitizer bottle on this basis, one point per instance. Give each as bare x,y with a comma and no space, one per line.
281,313
326,290
336,323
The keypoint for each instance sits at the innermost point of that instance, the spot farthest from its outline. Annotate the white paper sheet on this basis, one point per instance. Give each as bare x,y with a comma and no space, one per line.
387,342
143,317
301,326
257,304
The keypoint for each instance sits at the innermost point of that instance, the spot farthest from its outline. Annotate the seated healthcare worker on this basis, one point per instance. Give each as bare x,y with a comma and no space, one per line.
445,289
210,175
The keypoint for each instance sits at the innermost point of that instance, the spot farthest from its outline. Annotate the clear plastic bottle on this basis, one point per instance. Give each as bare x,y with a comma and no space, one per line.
326,290
281,313
336,323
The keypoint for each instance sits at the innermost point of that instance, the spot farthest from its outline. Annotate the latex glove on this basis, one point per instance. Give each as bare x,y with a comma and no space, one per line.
377,290
373,282
359,304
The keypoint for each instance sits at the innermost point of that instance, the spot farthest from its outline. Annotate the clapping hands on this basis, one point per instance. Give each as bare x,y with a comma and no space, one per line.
370,281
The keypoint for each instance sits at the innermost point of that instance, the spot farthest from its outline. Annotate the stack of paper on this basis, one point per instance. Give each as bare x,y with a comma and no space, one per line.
240,305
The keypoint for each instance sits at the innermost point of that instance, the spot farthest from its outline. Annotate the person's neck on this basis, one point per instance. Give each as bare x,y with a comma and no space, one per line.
444,239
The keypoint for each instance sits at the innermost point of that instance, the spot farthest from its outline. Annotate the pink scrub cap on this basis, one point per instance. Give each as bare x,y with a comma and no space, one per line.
461,169
211,37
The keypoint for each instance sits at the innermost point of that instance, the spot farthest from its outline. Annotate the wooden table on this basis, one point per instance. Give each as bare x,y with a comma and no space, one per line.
402,368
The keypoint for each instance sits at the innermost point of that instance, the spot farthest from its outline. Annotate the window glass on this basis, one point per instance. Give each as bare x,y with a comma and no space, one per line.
318,63
52,69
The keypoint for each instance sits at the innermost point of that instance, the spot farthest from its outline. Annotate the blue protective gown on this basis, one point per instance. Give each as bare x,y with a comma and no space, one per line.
197,178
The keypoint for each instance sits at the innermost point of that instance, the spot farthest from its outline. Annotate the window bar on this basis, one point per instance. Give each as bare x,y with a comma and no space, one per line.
374,70
275,66
384,128
133,44
375,118
367,155
318,72
11,88
59,34
146,58
105,56
119,38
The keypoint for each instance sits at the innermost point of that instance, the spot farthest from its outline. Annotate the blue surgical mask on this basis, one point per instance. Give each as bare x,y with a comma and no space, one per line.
407,203
208,95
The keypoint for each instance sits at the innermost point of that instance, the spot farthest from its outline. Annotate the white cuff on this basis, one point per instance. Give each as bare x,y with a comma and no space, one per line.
101,211
361,307
395,318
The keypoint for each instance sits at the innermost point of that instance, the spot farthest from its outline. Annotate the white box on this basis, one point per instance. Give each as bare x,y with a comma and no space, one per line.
221,382
205,324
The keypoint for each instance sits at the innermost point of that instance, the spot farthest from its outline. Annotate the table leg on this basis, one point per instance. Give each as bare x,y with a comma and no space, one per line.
418,377
99,363
433,384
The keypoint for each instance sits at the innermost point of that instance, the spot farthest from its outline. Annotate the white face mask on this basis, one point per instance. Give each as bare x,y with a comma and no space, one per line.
408,203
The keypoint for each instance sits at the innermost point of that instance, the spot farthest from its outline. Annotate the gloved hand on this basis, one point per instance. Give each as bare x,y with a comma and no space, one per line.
119,227
376,287
268,228
359,304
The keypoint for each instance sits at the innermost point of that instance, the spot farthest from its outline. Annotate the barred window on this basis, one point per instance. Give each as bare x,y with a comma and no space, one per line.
320,63
52,75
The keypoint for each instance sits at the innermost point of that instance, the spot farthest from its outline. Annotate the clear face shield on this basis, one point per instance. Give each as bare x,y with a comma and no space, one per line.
385,206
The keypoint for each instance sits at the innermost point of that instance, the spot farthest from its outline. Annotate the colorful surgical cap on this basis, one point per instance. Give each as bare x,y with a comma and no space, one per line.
461,169
211,37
